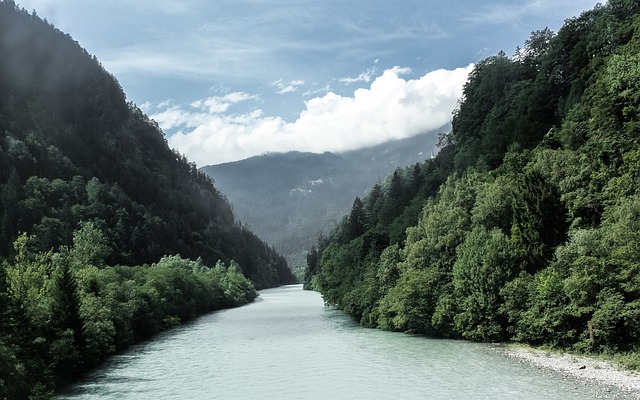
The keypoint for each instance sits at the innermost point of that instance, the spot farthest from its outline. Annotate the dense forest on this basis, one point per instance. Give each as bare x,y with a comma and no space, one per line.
107,236
526,226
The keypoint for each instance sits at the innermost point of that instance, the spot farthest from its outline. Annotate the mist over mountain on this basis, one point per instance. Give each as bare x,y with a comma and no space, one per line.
288,199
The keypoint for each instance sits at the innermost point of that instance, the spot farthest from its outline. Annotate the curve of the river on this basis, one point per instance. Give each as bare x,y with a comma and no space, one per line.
287,345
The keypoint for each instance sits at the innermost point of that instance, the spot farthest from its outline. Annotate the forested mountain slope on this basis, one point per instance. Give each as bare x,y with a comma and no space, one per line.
90,195
290,198
526,225
73,150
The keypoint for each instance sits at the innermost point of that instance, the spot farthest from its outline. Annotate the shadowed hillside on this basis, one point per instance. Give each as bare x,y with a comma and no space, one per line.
107,236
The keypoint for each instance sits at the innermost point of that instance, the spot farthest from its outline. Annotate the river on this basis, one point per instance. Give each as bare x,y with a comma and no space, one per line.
287,345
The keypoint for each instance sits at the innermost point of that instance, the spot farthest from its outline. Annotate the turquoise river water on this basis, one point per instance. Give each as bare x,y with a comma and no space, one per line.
287,345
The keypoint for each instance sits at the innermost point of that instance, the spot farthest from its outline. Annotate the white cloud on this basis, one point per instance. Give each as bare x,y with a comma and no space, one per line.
220,104
196,113
174,117
391,108
315,90
287,87
365,76
162,104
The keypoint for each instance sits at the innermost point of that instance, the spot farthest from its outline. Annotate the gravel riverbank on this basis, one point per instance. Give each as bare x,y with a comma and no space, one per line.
583,369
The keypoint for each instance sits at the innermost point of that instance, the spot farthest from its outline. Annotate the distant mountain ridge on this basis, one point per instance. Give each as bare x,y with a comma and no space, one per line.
288,199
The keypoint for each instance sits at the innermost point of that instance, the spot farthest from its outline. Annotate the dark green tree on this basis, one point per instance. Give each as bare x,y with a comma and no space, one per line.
357,223
540,219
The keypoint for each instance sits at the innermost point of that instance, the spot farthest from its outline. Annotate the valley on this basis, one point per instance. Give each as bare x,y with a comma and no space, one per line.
290,199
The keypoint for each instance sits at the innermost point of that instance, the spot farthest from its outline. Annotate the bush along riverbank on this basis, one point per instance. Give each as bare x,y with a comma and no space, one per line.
64,312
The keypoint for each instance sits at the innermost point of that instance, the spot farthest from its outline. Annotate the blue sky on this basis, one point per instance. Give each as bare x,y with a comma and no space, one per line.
229,79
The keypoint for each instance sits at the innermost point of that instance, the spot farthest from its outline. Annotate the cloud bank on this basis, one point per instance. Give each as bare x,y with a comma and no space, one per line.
391,108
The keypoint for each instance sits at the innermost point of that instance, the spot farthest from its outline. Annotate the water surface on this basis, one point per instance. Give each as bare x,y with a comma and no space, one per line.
287,345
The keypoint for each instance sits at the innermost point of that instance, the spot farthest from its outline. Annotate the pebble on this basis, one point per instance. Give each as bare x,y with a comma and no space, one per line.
586,370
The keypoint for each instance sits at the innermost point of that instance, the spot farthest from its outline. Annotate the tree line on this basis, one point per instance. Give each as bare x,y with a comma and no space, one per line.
525,225
65,311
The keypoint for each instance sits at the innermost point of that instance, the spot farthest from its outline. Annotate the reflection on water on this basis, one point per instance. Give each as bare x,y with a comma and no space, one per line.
287,345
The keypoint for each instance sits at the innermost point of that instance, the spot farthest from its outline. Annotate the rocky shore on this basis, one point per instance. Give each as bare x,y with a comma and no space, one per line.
584,369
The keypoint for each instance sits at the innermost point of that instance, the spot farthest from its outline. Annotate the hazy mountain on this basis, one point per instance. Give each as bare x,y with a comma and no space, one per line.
288,199
72,149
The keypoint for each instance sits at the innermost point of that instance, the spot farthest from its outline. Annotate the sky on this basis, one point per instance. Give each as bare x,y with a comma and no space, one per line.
231,79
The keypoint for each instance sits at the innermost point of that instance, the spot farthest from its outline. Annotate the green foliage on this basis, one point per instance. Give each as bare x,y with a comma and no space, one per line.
89,246
409,304
528,220
547,319
70,315
357,223
539,219
493,205
484,263
237,289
